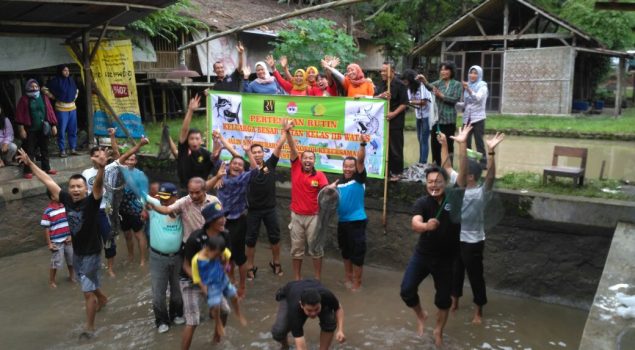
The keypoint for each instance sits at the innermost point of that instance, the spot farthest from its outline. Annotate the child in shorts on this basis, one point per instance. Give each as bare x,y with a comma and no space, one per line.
58,239
208,271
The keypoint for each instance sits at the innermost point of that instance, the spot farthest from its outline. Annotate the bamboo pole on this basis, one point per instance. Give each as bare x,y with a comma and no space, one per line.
384,218
291,14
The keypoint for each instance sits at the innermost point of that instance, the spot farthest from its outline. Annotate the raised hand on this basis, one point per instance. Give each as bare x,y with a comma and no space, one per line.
463,132
144,141
324,63
246,144
195,103
287,124
494,141
240,48
441,138
23,158
111,132
422,78
222,171
99,158
216,134
246,72
283,61
335,61
270,61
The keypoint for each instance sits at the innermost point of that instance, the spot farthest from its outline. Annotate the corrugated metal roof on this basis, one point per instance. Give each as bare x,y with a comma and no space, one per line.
69,17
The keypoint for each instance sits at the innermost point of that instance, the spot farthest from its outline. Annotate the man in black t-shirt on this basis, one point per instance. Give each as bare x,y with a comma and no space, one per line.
396,117
192,160
300,300
261,201
437,220
82,211
230,82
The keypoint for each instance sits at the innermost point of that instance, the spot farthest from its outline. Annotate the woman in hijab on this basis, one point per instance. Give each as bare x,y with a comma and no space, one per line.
475,97
36,120
63,90
264,82
297,85
354,81
447,92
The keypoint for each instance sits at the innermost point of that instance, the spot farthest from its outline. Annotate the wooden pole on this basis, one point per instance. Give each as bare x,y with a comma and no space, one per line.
291,14
384,218
88,82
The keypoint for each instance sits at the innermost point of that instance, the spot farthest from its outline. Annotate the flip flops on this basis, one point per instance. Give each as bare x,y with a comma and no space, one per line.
276,268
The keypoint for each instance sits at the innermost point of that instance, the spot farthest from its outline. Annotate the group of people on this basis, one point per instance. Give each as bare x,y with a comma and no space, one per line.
195,242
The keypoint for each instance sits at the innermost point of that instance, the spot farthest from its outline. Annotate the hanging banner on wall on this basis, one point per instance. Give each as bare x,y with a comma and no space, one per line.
328,126
113,71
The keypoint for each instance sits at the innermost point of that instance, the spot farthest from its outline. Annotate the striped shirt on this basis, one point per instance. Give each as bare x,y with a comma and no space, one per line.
54,219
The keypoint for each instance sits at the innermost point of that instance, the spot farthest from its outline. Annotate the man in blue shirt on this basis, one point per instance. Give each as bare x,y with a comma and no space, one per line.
351,228
231,183
166,235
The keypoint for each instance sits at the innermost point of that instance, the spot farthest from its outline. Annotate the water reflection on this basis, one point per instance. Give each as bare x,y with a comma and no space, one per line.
35,317
526,153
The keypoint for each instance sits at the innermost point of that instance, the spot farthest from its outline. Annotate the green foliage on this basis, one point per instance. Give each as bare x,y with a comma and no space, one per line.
390,31
309,40
168,22
613,28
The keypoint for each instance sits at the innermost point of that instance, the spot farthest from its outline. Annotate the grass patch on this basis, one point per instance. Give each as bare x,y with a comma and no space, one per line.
592,124
153,132
562,186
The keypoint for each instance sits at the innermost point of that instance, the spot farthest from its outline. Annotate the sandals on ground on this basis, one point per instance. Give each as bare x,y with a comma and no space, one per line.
276,268
251,273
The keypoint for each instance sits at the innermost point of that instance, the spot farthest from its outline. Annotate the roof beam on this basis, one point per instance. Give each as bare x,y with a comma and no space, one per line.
507,37
615,5
102,24
478,24
53,25
291,14
92,3
531,21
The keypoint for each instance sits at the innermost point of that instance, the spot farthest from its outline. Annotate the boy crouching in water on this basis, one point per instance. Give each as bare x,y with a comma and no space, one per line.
208,271
58,239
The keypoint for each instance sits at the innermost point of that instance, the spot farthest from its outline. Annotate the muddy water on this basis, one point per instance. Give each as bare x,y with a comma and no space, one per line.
526,153
36,317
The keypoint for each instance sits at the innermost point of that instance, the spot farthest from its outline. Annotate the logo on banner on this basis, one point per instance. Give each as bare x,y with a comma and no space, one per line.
119,90
269,106
292,108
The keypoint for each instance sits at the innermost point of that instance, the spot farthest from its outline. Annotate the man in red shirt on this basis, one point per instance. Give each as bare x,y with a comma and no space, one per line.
306,183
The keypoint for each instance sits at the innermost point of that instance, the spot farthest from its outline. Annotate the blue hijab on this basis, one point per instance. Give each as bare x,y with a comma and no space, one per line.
63,88
476,85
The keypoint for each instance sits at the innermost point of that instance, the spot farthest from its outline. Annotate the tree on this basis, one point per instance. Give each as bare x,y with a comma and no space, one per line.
310,40
168,22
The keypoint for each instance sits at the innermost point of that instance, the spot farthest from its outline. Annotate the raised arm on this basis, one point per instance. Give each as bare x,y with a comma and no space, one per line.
113,143
173,149
334,72
491,163
100,160
144,141
445,155
284,63
195,102
281,140
241,57
48,181
293,152
361,152
246,144
228,146
461,138
211,183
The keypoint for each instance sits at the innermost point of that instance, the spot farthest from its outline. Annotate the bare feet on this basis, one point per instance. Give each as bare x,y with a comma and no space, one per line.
455,304
52,285
111,273
438,337
242,320
478,316
219,331
421,323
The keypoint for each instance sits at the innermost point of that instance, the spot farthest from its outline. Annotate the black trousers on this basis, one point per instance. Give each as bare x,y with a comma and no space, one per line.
470,259
237,231
435,146
34,140
395,156
478,132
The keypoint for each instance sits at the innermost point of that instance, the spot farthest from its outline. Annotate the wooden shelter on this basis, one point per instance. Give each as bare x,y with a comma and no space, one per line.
533,61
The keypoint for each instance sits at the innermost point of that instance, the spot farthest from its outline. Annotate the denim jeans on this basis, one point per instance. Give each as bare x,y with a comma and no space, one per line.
423,135
164,270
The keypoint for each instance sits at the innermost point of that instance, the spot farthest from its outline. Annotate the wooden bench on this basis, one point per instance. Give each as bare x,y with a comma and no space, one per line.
577,173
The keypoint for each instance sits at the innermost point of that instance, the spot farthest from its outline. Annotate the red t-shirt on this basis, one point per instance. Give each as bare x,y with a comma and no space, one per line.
305,188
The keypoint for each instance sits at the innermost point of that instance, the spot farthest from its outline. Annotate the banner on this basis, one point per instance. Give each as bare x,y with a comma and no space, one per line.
328,126
113,71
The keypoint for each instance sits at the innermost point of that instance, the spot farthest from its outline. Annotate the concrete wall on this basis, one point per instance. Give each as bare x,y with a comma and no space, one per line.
538,81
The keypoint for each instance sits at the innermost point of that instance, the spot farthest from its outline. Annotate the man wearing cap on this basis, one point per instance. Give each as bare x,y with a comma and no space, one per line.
213,225
166,234
190,206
